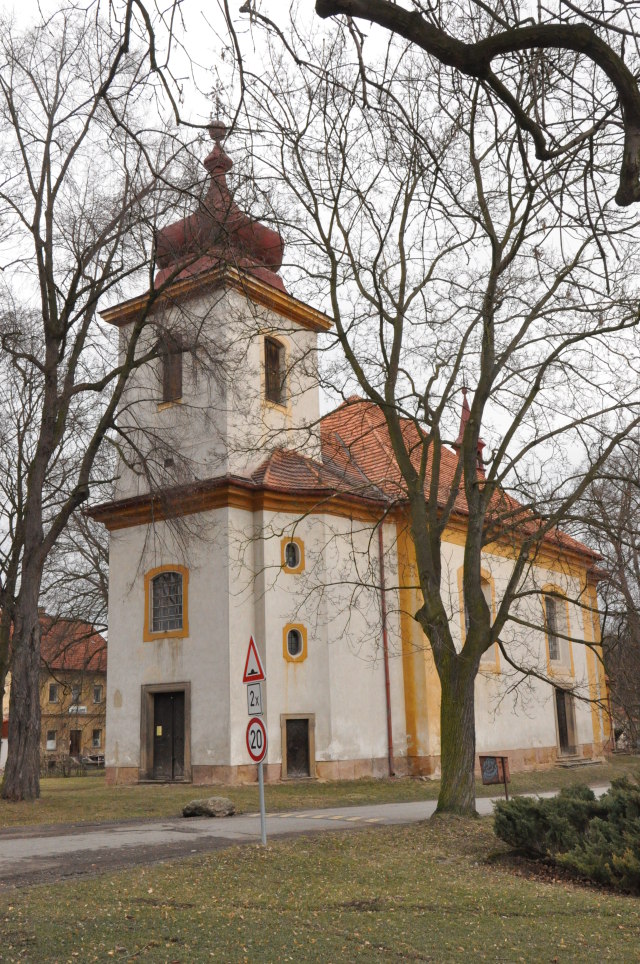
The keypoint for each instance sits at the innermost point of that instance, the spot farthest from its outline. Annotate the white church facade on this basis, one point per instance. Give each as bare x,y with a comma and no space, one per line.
239,511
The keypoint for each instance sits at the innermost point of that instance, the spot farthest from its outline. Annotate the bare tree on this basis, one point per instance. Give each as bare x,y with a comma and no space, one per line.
500,44
76,578
87,166
447,253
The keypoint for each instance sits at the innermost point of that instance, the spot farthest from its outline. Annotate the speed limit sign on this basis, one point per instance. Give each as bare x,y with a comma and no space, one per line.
256,739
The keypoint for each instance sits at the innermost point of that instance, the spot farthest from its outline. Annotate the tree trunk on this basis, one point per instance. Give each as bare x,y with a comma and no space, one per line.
22,772
458,739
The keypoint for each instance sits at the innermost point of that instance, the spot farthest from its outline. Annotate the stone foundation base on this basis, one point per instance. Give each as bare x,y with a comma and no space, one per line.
541,758
121,776
352,769
538,758
520,760
230,775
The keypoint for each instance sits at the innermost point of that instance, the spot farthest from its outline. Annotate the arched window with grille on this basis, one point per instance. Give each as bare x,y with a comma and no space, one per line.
166,602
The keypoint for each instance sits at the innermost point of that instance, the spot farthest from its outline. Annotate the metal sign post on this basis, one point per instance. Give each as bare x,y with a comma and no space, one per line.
257,747
263,814
253,677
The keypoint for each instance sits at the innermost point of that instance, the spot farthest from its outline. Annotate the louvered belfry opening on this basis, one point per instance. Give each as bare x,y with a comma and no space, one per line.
274,371
171,350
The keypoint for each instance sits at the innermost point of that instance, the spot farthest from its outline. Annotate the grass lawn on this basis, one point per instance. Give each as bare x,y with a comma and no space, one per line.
88,800
429,892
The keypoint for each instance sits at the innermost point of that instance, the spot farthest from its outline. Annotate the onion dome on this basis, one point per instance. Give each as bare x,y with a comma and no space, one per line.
218,233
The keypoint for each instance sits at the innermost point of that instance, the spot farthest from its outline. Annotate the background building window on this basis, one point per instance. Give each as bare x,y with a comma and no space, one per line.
96,739
294,642
54,693
75,694
97,694
166,602
51,739
171,350
274,379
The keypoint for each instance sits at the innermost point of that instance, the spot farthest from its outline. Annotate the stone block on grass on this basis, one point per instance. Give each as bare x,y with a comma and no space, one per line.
209,807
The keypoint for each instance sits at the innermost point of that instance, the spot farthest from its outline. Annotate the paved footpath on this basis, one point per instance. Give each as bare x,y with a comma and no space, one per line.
36,855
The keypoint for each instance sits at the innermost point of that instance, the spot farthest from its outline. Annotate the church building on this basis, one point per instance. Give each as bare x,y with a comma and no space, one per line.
239,511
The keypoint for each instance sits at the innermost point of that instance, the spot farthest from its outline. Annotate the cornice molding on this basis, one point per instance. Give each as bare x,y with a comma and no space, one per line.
227,277
235,493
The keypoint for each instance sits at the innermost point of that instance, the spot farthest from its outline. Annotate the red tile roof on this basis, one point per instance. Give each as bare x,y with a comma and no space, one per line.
356,433
288,471
68,644
358,459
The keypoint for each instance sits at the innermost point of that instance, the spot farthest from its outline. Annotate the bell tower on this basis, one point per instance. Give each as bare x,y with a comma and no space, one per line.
233,369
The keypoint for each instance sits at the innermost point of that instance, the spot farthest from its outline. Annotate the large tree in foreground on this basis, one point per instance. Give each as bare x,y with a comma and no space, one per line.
610,518
85,169
447,253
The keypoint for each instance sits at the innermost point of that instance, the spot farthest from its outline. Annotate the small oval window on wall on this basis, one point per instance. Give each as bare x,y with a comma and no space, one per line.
292,554
294,642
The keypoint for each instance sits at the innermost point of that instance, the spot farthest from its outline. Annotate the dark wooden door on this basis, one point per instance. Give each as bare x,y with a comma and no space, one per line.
298,748
74,742
564,709
168,736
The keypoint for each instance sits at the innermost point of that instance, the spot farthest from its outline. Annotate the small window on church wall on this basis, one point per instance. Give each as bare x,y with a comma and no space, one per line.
274,374
166,602
292,550
171,353
294,642
292,555
555,613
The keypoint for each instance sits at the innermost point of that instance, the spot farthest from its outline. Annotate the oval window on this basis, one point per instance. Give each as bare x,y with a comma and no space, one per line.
294,642
292,555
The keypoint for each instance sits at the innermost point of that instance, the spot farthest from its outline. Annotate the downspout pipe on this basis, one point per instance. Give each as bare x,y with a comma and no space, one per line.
385,651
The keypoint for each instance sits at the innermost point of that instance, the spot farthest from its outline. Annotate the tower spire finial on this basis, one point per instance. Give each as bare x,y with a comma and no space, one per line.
465,415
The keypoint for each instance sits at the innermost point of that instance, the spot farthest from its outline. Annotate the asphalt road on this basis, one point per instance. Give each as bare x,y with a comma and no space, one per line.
41,855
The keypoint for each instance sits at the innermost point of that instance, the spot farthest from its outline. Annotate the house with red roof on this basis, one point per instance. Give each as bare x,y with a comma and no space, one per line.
241,513
73,686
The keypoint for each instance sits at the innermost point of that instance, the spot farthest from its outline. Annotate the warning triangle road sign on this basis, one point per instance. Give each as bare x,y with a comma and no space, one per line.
253,671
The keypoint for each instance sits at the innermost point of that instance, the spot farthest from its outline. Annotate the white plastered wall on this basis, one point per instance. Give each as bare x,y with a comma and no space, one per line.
202,658
341,681
223,424
523,716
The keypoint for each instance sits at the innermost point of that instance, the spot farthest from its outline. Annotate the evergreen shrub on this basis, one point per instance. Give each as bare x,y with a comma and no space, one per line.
598,839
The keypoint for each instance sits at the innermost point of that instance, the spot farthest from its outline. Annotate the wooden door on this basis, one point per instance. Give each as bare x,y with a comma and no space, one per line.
168,736
566,722
75,737
298,748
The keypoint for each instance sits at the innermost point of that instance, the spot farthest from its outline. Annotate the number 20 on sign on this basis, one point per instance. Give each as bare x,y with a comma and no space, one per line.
256,739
